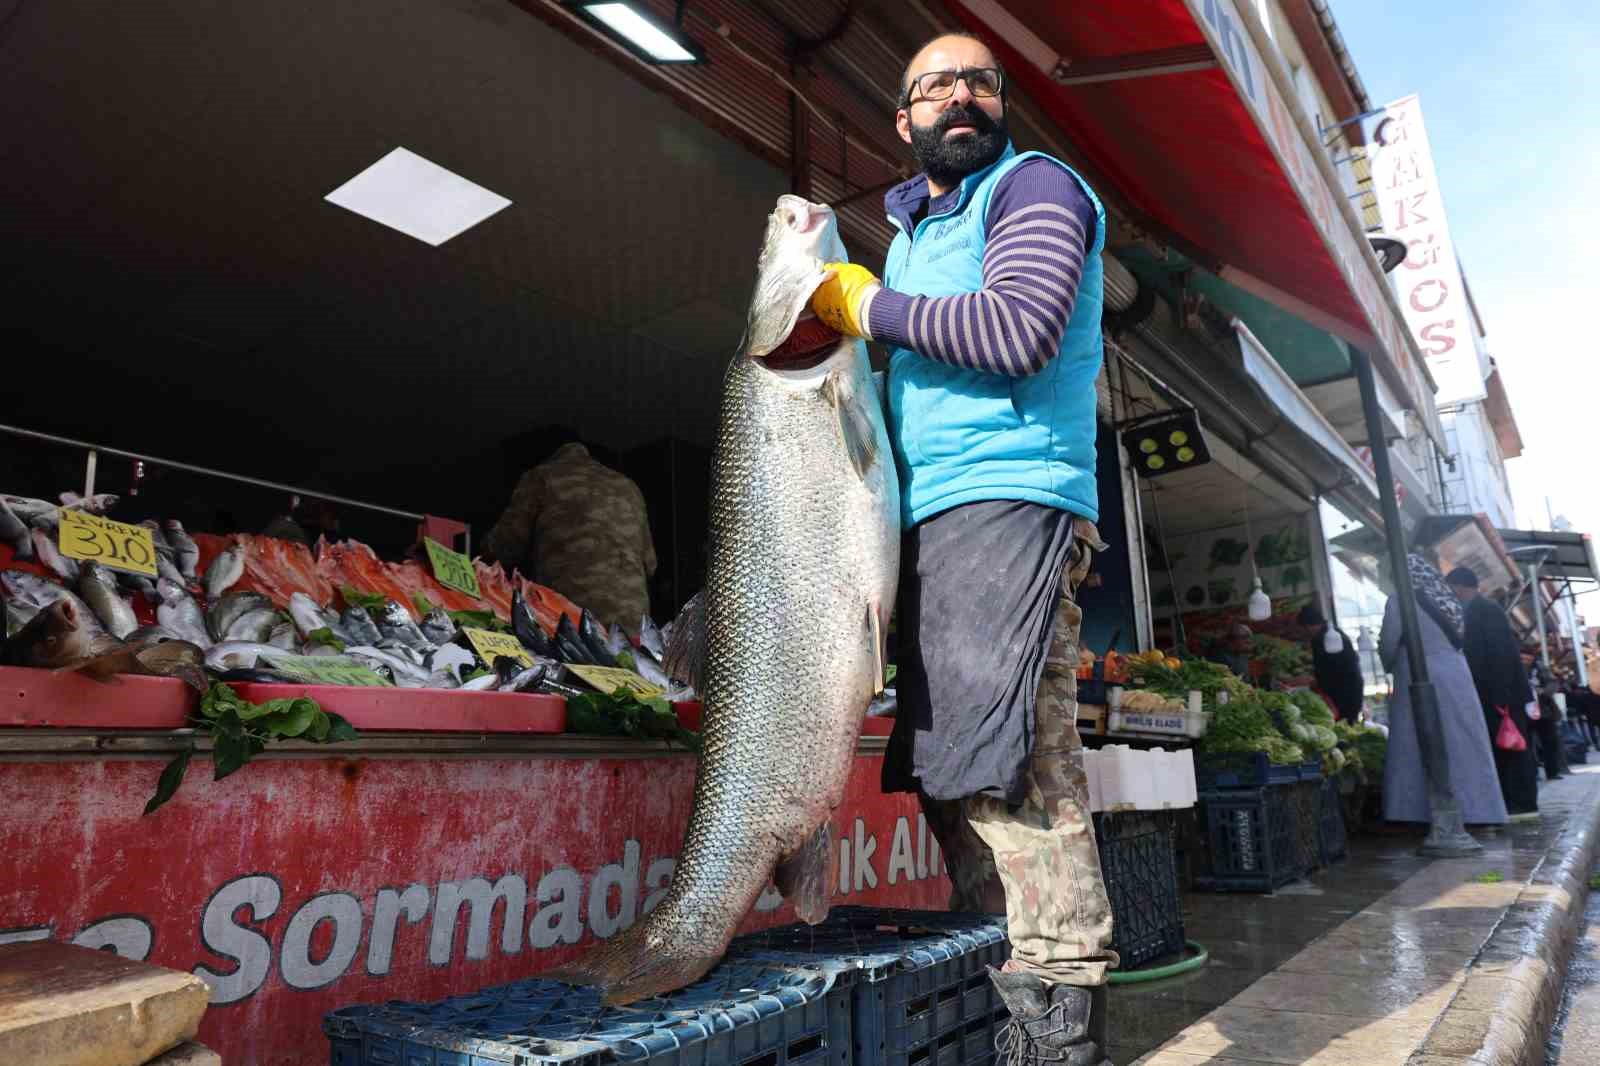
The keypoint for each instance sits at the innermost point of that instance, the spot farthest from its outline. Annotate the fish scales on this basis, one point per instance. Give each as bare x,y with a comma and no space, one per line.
802,572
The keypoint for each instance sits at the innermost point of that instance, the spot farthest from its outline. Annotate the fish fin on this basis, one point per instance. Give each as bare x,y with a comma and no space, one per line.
804,878
686,652
880,649
627,969
855,428
101,667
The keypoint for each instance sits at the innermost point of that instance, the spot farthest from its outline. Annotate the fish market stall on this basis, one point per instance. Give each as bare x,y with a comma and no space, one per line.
316,777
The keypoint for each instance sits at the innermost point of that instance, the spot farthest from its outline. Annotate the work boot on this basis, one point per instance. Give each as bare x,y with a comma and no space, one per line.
1051,1025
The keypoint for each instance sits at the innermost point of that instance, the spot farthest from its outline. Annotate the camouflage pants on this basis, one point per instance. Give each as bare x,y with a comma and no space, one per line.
1042,852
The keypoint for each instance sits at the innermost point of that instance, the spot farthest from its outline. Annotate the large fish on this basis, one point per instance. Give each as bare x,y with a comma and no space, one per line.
805,535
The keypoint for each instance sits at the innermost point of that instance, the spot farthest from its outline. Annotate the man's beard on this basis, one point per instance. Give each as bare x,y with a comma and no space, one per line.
946,162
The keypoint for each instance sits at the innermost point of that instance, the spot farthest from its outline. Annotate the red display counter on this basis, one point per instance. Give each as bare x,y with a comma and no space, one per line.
405,865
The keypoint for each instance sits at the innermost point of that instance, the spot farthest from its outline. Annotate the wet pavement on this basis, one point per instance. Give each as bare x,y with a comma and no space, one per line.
1357,965
1576,1038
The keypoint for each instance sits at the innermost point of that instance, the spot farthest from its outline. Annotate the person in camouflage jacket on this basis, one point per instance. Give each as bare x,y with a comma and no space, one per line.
581,528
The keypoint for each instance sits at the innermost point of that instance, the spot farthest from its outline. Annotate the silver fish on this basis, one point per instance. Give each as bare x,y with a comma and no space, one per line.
225,569
158,536
358,623
805,513
221,614
397,624
451,659
40,514
256,625
30,590
650,670
99,503
650,638
308,617
405,672
438,627
180,613
238,654
482,683
14,531
186,551
283,636
44,547
98,587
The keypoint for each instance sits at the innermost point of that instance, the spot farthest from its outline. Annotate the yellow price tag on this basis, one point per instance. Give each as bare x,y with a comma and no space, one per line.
491,646
452,569
611,678
100,540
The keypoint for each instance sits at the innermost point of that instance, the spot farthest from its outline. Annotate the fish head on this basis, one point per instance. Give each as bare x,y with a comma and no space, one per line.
55,636
801,236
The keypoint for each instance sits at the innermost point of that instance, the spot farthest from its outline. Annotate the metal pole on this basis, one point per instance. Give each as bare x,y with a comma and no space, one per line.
1447,836
1538,614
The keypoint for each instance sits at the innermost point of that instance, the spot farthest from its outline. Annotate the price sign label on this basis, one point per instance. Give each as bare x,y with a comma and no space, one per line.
100,540
611,678
326,670
491,646
452,569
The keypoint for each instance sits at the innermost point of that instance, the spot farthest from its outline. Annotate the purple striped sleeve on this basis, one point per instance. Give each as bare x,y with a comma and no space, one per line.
1040,222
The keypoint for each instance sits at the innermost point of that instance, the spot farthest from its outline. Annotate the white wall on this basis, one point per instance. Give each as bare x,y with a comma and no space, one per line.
1478,483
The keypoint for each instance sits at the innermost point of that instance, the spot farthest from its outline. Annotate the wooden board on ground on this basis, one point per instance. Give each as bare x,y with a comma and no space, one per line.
62,1005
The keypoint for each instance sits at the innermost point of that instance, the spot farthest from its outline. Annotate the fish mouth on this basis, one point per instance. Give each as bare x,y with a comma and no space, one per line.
809,344
802,216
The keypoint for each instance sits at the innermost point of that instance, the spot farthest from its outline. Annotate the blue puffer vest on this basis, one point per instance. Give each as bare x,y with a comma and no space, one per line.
960,435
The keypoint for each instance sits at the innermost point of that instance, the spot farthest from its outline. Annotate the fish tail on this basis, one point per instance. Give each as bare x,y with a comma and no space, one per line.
628,968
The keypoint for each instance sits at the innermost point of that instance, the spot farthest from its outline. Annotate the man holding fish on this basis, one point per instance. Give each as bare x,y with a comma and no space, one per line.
991,305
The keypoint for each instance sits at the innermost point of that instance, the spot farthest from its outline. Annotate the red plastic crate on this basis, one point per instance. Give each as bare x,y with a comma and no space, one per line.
421,710
31,697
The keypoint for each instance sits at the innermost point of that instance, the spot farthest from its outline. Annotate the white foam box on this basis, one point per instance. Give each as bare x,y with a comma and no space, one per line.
1089,760
1127,778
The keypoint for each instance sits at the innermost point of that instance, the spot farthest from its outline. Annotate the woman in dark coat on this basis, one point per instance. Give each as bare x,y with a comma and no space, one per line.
1495,659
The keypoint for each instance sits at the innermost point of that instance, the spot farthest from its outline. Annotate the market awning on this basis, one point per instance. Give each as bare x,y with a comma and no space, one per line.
1562,556
1178,108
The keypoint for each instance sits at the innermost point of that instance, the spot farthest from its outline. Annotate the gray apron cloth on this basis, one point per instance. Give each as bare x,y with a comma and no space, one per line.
979,585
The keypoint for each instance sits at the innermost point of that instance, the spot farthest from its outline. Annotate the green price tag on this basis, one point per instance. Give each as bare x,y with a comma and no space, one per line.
326,670
452,569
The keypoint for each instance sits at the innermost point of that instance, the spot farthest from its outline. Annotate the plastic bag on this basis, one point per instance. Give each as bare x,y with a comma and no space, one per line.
1508,737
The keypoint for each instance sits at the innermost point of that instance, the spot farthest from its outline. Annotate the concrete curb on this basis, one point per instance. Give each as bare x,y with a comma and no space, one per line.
1503,1013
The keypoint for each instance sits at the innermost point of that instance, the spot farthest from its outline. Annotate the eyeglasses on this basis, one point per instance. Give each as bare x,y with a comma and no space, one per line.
941,84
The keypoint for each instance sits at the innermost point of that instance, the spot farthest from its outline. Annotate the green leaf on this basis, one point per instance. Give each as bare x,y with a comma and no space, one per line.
1490,877
171,778
293,719
478,671
354,597
339,730
233,750
479,620
325,636
888,675
626,661
423,605
320,724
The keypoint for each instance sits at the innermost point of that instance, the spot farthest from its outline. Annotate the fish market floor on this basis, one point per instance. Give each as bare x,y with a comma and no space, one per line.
1333,969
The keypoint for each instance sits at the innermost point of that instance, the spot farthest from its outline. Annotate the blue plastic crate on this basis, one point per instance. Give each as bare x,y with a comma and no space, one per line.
746,1011
921,990
1252,839
1244,769
1138,862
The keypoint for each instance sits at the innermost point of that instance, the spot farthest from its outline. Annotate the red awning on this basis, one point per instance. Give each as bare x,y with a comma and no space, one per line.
1170,103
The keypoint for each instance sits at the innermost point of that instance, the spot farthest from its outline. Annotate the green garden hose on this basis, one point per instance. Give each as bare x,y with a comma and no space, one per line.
1156,973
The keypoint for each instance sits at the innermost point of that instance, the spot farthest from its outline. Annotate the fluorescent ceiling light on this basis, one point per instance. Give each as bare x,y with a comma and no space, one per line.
644,35
420,199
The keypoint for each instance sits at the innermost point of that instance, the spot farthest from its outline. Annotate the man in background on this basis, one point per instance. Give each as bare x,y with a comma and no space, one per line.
1338,672
1235,653
581,528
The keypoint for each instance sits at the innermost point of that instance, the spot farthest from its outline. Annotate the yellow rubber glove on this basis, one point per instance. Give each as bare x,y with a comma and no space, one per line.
843,299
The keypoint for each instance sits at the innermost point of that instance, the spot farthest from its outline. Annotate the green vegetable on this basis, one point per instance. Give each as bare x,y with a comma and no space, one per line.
1490,877
479,620
1282,658
423,605
240,730
1314,710
623,714
1281,752
325,636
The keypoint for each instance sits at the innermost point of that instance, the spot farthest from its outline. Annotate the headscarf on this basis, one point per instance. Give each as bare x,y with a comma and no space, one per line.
1435,597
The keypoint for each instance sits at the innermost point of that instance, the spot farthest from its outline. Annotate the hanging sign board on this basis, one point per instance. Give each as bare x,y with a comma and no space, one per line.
452,569
100,540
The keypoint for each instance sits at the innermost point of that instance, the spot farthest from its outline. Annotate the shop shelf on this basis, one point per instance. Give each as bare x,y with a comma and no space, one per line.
424,709
921,990
1252,839
1331,817
746,1011
1244,769
1138,861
